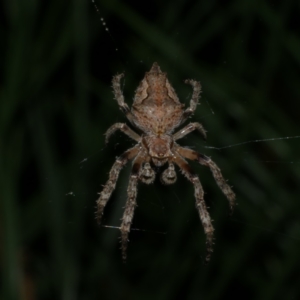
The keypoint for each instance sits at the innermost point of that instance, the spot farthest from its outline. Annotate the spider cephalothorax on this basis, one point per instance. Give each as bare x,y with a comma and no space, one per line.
157,111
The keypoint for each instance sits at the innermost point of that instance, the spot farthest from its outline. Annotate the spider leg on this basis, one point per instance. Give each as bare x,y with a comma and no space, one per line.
111,182
200,204
188,129
124,128
206,161
116,84
195,98
130,204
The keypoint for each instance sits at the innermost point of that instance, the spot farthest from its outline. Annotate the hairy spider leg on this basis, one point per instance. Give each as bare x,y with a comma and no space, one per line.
113,177
116,84
130,203
206,161
124,128
194,100
200,203
188,129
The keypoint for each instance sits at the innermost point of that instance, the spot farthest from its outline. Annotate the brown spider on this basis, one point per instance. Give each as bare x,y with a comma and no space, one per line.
157,111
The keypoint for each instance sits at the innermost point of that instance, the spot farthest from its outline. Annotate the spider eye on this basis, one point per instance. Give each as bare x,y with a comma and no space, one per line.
169,176
147,174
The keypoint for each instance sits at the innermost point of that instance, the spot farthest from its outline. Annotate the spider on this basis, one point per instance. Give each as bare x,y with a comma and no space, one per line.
156,112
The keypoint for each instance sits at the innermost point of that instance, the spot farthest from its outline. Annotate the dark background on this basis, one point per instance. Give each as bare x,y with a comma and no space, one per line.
57,61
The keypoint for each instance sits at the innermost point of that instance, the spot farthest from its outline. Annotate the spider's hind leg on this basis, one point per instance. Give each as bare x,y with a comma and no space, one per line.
188,129
124,128
116,84
195,98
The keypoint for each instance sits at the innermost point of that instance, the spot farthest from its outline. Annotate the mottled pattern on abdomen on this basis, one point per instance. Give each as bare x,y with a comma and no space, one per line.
157,119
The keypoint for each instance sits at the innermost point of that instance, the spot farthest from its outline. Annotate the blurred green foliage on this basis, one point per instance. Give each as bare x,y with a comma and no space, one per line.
57,61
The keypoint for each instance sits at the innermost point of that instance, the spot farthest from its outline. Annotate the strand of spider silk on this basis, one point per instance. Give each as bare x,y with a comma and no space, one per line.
254,141
102,20
276,161
136,229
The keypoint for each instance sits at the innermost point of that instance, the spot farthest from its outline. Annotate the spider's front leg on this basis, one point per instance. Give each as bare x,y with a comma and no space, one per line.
130,204
200,204
206,161
111,182
116,84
